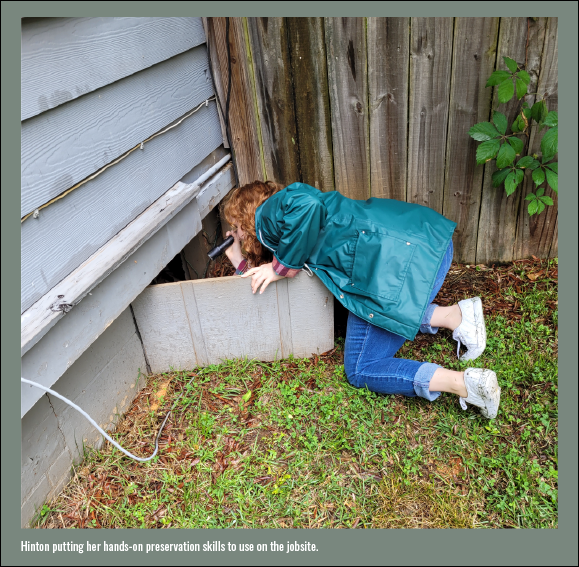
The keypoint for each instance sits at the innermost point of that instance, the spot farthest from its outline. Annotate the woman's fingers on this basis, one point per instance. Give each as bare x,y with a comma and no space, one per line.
265,284
257,281
261,277
250,272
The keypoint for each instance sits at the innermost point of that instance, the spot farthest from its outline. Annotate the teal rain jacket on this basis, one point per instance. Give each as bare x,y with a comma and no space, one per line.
378,257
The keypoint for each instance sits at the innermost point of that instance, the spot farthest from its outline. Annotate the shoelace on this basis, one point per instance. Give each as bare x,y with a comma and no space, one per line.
462,402
458,348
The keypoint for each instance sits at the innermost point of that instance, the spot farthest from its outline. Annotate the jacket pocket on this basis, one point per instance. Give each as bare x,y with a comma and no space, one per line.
381,262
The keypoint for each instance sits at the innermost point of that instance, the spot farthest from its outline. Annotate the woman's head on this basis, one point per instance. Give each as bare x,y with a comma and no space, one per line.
239,211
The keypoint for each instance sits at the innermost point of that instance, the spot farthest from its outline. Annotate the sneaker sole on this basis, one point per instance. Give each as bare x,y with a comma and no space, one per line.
491,393
471,354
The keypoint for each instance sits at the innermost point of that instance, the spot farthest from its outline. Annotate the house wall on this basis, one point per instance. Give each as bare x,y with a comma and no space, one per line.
108,109
93,90
103,382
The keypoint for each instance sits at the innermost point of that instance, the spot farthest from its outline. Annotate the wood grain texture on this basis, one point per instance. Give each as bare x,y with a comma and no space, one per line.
71,229
68,143
242,119
39,318
535,234
348,85
275,98
388,61
554,250
216,77
162,321
473,61
498,213
49,359
212,193
312,101
65,58
430,65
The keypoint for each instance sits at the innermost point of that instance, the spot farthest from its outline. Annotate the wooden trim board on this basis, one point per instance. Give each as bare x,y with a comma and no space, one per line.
201,322
39,318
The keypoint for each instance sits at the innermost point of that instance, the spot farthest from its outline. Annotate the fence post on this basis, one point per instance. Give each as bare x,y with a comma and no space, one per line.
242,116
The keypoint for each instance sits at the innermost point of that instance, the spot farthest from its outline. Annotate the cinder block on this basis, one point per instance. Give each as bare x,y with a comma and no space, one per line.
75,380
42,443
106,397
35,499
59,473
103,381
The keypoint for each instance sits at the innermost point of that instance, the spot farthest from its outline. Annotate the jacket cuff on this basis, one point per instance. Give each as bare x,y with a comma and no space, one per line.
282,270
242,268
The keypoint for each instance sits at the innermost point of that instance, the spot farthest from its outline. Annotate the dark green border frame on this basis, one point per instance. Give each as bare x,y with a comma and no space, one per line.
372,547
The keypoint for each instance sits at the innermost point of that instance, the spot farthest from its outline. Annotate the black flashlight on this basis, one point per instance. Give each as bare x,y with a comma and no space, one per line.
218,250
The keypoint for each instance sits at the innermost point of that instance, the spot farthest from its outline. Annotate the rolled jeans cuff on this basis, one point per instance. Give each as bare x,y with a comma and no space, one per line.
422,381
425,325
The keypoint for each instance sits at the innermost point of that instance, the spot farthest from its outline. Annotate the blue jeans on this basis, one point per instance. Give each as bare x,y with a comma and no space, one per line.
369,353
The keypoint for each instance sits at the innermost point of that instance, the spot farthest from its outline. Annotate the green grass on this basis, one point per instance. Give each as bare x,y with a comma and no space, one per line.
292,444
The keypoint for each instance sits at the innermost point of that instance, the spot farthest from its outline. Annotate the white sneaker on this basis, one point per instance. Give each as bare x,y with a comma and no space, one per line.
483,391
471,332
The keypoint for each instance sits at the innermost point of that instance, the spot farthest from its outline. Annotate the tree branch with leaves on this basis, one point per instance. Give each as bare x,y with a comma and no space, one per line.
497,144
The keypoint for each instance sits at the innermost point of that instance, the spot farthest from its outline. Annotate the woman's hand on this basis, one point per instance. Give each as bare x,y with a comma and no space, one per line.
234,251
262,276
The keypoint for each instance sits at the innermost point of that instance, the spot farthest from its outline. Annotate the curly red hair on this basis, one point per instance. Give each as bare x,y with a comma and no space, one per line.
239,210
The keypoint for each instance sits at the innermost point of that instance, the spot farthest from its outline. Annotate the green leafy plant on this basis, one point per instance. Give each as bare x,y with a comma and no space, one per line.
497,144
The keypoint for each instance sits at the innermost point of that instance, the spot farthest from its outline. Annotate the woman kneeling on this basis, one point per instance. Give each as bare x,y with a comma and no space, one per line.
385,261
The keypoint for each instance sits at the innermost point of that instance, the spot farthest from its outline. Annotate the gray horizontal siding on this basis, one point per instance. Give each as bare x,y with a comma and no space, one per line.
71,229
64,145
72,335
64,58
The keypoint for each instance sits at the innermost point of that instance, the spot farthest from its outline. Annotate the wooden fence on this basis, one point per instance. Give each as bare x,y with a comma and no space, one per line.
381,107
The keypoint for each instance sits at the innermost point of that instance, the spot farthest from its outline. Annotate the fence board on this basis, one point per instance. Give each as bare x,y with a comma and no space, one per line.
498,216
388,60
554,250
408,138
535,234
69,230
430,60
105,124
312,102
275,98
348,85
242,118
62,58
473,60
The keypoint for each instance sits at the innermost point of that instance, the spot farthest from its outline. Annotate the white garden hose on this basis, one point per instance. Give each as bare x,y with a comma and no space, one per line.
73,405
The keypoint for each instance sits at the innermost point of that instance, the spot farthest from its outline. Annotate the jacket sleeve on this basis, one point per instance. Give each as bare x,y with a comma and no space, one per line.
304,216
